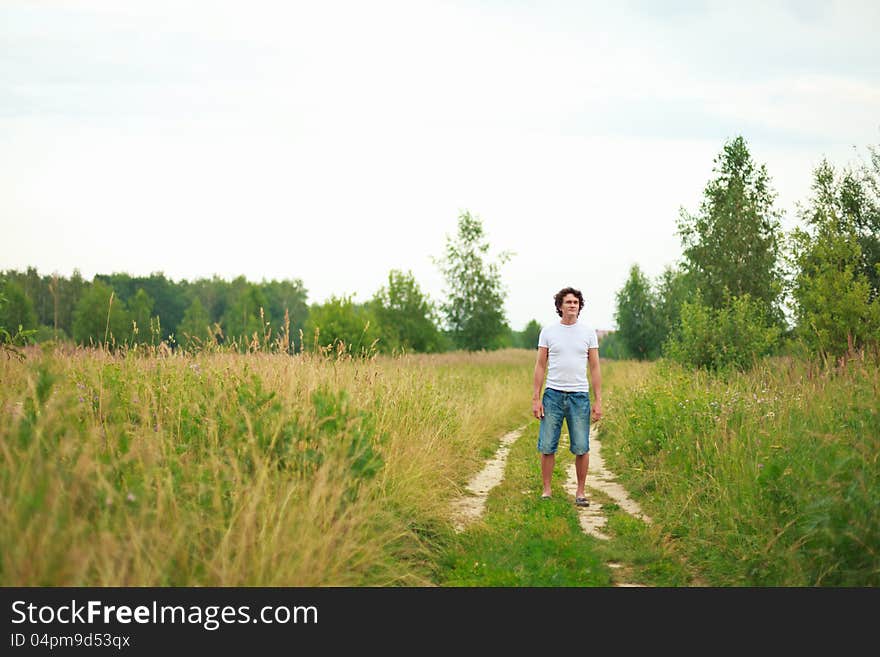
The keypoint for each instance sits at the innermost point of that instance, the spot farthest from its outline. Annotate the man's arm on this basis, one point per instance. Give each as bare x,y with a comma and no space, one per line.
595,382
540,371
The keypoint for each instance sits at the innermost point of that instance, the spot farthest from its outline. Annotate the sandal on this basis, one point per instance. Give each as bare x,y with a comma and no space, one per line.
581,501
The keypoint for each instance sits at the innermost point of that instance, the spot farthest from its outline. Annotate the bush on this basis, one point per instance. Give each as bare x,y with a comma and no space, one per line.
341,324
47,333
730,337
835,311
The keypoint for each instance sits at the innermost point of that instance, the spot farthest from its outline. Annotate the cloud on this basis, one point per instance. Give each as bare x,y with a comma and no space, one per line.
333,142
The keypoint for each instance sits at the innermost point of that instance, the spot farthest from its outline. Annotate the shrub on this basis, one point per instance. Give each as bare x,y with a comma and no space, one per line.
730,337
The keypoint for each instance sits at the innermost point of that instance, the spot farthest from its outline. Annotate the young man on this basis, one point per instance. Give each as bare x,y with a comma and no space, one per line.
566,348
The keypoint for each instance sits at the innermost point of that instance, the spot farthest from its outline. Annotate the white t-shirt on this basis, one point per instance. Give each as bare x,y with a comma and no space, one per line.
567,346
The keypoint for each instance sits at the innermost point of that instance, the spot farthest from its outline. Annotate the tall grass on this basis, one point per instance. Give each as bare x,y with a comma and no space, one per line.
147,467
768,478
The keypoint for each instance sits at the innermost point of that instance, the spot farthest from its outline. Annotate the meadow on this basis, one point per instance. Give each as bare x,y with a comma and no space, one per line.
223,469
147,467
764,478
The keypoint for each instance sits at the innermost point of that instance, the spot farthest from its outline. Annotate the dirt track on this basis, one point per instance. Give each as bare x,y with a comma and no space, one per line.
471,506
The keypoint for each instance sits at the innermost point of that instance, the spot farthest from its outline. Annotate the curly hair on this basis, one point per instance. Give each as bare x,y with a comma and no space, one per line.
559,296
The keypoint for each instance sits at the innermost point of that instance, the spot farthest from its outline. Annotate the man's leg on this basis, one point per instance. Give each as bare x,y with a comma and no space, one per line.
581,465
579,430
548,435
547,463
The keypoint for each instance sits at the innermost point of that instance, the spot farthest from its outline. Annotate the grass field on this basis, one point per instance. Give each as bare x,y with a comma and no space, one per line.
221,469
240,470
768,478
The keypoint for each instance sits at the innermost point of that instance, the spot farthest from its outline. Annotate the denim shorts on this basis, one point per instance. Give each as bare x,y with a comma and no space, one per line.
575,408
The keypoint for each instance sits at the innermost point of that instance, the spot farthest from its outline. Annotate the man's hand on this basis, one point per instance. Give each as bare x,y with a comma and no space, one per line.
538,409
596,411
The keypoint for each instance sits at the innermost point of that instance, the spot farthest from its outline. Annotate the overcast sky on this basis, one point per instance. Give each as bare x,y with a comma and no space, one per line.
334,141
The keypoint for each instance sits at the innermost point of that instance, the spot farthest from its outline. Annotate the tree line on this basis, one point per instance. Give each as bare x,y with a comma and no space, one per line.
744,288
119,309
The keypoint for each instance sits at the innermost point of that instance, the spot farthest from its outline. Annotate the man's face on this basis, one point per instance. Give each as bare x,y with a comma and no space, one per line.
571,306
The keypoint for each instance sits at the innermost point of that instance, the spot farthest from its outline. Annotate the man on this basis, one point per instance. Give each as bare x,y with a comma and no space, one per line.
567,347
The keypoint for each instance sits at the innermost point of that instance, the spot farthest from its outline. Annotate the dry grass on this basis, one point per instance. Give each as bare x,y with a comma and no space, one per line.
157,468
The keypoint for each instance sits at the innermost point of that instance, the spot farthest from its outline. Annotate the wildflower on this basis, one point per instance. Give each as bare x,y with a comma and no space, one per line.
130,497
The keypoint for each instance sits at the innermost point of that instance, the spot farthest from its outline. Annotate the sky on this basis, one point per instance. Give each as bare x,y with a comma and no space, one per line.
333,142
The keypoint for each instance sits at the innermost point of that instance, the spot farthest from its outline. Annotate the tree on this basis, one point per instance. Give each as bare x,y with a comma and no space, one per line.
612,347
731,246
405,315
100,317
169,301
213,293
37,289
849,204
869,224
12,338
17,312
141,309
833,297
636,316
530,334
69,293
53,298
195,328
474,306
287,296
673,288
246,311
